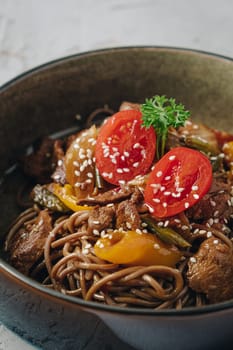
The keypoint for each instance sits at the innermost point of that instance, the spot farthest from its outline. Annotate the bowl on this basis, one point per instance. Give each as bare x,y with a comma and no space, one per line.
46,100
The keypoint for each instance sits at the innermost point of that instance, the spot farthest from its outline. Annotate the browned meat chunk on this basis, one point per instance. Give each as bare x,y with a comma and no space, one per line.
42,162
111,196
101,218
27,245
210,271
216,204
127,216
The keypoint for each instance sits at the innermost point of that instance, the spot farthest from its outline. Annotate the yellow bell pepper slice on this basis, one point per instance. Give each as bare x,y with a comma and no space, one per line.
132,248
66,195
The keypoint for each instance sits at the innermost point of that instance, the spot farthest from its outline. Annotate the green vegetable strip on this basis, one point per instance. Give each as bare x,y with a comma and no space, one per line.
166,234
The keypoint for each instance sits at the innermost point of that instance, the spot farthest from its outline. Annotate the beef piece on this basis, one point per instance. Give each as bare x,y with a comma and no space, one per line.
27,245
127,216
210,271
111,196
101,218
215,204
42,162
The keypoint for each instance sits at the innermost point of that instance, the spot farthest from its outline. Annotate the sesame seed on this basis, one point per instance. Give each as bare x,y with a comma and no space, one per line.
119,171
138,231
75,163
77,184
202,231
162,188
128,225
144,224
180,189
96,232
126,170
137,145
136,164
184,227
211,221
213,203
159,173
186,205
168,178
126,154
172,157
88,181
177,221
166,223
195,188
59,162
122,182
209,234
216,213
196,231
167,193
193,259
196,196
160,223
216,241
164,205
96,222
156,246
156,200
85,251
90,175
216,221
77,172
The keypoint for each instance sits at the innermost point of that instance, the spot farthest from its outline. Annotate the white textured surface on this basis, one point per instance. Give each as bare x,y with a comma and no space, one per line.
33,32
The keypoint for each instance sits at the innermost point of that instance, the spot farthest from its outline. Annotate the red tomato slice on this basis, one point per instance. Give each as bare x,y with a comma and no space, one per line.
180,179
124,148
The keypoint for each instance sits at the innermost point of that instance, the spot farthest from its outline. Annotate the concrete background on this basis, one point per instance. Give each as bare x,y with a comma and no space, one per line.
33,32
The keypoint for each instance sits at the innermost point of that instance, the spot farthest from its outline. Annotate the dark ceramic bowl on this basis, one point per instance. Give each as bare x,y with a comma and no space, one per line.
45,100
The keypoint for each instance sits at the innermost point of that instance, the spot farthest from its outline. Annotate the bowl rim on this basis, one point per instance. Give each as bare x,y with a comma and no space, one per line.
10,272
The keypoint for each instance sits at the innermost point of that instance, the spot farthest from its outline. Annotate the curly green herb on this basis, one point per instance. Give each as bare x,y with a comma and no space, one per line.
162,113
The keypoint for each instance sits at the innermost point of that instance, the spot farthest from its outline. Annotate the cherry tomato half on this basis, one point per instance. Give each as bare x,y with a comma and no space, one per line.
124,148
180,179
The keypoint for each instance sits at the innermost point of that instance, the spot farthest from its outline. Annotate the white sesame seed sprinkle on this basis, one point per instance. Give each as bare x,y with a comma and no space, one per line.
196,196
164,205
186,205
172,157
156,246
209,234
159,173
193,260
195,188
216,241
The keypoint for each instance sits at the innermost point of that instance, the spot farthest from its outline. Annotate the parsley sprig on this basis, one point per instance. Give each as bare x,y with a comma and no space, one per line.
162,113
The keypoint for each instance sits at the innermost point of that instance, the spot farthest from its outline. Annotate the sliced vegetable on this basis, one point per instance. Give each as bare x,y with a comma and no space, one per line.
66,196
162,113
79,165
124,149
180,179
166,234
42,196
132,248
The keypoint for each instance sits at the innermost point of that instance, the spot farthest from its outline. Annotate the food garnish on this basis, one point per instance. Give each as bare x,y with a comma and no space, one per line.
162,113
